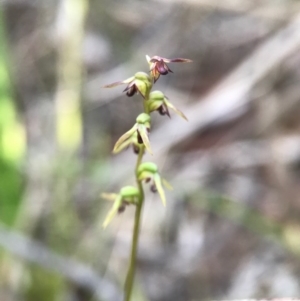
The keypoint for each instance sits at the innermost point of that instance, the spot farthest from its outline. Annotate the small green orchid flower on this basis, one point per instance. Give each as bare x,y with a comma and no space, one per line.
133,140
159,102
141,82
159,67
148,172
138,134
127,195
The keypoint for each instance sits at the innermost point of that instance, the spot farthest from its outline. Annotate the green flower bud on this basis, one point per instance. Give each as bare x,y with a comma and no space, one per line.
146,168
148,171
127,195
156,102
156,95
142,76
143,83
159,102
129,192
143,118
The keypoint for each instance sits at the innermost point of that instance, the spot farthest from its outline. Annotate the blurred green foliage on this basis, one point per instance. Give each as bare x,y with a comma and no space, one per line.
12,138
43,283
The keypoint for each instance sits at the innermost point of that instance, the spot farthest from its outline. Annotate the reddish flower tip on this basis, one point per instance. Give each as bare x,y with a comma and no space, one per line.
159,67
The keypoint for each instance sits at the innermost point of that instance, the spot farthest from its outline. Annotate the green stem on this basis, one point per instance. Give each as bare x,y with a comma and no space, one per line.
146,110
137,224
135,238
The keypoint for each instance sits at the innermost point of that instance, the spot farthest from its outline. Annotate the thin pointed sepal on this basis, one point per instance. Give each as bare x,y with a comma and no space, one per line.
144,135
123,138
113,211
167,184
115,84
160,190
108,196
177,111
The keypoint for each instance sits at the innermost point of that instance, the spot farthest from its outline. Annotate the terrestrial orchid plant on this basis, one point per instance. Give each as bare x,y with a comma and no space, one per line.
138,137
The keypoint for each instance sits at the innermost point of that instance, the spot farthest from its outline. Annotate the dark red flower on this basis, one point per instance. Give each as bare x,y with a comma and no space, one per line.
131,89
158,65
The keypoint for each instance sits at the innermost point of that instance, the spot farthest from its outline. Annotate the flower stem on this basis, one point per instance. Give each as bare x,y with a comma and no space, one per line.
137,224
132,265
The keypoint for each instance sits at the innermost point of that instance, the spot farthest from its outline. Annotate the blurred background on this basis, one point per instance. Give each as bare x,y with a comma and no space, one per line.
231,228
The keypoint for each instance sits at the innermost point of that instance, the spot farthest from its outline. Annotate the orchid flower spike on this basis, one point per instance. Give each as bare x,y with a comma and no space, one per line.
127,195
139,83
159,102
148,172
158,65
137,135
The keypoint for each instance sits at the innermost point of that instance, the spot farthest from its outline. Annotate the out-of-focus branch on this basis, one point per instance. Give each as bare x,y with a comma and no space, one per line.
27,2
70,29
241,155
74,271
264,9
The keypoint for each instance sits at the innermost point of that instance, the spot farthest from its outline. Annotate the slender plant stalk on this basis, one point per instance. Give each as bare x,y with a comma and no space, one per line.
144,171
137,224
134,246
